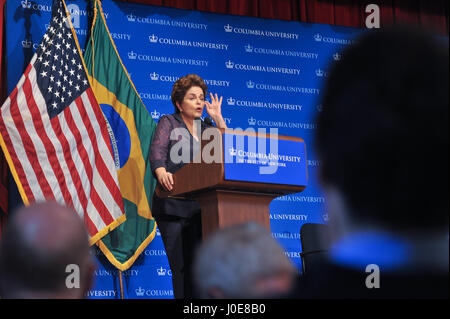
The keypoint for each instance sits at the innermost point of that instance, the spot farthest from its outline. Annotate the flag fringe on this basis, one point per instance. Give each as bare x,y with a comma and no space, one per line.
124,266
94,239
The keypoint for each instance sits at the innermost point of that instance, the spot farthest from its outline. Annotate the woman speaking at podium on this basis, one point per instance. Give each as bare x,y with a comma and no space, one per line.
179,220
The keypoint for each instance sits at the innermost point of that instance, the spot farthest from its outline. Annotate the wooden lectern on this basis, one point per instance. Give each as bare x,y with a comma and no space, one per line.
223,201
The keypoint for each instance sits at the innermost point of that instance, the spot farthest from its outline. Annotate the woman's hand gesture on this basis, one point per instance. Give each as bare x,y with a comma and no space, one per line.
214,110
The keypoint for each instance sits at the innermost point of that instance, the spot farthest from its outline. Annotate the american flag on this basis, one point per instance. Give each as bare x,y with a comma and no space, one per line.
56,136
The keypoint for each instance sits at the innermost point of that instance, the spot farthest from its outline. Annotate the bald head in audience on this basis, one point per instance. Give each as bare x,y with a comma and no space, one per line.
44,253
243,261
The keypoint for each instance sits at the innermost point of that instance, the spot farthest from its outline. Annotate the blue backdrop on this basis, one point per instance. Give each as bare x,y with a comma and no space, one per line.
269,72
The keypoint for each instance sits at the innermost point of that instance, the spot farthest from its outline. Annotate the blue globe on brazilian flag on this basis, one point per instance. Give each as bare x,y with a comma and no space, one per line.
131,129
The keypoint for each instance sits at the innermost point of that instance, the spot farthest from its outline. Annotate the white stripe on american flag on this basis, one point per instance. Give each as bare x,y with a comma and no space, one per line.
105,153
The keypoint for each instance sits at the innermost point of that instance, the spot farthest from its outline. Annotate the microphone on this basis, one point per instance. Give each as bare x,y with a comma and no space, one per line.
208,121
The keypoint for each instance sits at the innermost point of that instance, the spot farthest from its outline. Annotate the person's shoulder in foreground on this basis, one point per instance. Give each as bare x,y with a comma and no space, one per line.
385,115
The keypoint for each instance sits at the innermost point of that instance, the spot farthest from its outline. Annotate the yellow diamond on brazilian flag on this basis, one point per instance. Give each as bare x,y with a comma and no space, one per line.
131,130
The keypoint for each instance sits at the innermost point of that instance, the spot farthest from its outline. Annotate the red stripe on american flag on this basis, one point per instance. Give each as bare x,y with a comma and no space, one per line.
100,118
103,170
69,160
101,208
13,96
30,150
48,145
99,163
7,139
17,165
92,229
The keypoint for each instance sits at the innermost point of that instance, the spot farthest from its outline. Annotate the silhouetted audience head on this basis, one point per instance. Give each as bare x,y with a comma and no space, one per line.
44,253
242,261
383,134
382,138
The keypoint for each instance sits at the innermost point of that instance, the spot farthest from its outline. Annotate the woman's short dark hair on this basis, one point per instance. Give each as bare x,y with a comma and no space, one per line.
183,84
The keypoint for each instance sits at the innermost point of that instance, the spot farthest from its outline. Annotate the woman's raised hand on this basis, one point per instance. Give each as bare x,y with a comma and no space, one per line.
214,110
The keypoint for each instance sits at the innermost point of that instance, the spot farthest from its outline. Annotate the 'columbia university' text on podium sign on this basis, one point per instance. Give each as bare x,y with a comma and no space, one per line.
265,159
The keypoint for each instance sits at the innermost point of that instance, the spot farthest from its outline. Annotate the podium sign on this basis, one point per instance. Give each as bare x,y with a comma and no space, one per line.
237,184
265,160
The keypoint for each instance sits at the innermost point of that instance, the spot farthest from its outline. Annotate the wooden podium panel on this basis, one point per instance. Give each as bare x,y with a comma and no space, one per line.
222,208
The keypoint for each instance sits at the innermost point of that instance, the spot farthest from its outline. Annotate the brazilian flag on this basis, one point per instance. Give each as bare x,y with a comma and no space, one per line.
131,131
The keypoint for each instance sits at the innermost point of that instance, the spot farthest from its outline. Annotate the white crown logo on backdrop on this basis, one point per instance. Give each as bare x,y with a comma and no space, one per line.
27,44
26,4
317,37
231,101
139,291
250,84
154,76
155,114
248,48
228,28
252,121
131,17
161,271
153,38
132,55
229,64
337,56
319,72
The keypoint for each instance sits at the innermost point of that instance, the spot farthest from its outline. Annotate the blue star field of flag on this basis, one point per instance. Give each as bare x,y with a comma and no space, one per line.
60,73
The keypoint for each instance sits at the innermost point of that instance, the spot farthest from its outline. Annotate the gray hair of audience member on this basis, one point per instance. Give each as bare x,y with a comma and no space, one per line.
233,261
39,243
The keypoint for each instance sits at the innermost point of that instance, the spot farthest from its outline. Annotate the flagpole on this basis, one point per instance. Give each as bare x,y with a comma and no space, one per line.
121,284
